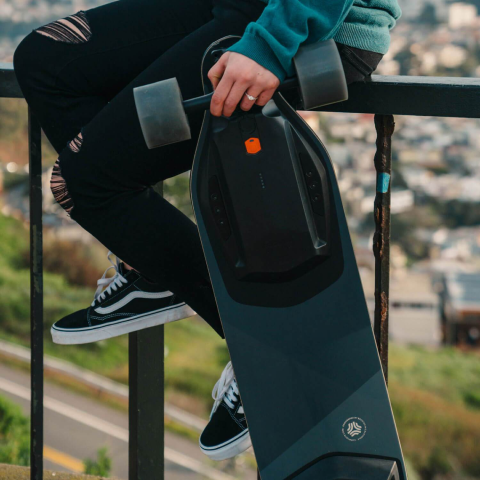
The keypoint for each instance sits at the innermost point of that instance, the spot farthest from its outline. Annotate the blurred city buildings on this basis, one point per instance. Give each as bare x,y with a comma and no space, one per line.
461,308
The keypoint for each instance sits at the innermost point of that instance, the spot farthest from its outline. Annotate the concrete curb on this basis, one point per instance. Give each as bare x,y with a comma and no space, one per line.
12,472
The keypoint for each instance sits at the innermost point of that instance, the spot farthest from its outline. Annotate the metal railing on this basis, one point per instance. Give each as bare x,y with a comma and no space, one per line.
382,96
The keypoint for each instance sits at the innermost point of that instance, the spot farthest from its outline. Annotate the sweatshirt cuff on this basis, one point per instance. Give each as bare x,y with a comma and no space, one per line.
256,48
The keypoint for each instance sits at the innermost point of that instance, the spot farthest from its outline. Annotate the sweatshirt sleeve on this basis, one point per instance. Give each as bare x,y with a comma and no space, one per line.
273,40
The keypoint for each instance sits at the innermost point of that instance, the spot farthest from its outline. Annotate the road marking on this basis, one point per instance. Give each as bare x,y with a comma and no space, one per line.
63,460
111,429
68,411
101,384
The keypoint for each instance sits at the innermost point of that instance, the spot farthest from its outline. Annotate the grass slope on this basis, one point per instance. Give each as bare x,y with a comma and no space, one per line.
435,400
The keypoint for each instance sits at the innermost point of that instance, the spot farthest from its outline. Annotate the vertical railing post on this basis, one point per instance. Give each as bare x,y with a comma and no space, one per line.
385,126
36,297
146,402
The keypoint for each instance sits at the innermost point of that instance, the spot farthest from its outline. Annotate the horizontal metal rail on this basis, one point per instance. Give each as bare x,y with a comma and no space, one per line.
405,95
387,95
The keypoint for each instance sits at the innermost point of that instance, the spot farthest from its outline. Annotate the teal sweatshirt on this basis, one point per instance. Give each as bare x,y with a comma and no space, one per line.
284,25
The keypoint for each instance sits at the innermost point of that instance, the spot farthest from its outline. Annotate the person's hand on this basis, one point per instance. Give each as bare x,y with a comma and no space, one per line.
232,76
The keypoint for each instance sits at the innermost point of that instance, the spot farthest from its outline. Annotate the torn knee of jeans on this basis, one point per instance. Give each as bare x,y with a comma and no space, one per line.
71,29
75,144
58,185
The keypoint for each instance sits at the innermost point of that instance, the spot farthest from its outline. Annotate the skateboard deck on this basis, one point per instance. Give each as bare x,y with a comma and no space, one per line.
288,291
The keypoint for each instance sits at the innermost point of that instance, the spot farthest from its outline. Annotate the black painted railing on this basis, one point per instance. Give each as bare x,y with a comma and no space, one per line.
382,96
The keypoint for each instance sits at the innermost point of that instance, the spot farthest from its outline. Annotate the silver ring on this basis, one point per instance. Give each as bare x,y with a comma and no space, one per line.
250,97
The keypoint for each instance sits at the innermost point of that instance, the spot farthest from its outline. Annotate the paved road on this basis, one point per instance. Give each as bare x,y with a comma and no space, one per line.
76,427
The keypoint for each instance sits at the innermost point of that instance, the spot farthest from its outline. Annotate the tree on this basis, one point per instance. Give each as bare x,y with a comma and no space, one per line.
428,15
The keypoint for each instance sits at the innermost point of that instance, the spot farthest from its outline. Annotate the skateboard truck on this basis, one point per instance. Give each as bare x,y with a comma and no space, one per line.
162,112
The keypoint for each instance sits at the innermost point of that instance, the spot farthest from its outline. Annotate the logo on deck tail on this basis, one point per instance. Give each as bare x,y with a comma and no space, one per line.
354,429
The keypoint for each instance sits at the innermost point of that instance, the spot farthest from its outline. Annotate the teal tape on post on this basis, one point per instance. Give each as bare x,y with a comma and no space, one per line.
383,182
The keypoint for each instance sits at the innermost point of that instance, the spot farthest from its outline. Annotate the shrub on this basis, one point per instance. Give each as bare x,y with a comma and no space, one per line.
101,466
71,259
472,399
14,434
437,465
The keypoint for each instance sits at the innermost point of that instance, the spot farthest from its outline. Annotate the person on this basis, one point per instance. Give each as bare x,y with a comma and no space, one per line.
78,74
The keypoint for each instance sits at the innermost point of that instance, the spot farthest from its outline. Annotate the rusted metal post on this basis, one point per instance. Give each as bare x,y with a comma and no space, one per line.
36,297
385,126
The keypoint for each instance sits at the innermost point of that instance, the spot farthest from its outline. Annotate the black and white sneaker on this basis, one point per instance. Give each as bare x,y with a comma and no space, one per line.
226,434
123,303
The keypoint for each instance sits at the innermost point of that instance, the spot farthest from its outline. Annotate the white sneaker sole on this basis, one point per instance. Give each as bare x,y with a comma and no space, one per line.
229,449
114,329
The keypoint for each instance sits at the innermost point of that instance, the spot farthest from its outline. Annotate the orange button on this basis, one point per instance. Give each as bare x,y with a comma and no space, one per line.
253,145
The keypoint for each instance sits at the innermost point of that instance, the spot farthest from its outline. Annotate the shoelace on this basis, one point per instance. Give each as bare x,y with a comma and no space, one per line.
111,283
225,389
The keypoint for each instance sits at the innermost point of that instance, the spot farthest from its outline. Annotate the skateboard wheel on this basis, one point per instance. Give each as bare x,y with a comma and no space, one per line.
160,110
320,74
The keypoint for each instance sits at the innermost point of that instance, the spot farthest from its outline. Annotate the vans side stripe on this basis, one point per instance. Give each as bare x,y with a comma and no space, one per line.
128,298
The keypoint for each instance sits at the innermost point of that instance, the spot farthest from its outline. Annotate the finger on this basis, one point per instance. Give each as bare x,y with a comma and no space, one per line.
234,97
221,93
216,72
265,97
215,80
254,91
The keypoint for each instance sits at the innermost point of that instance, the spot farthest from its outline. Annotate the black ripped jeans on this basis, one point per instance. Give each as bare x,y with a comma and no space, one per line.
77,74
